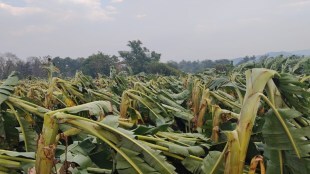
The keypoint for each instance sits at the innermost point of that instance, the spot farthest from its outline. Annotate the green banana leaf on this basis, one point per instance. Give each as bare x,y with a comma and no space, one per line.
213,163
296,139
7,87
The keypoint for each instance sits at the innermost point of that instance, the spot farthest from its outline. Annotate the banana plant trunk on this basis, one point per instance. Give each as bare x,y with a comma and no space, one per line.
45,157
238,139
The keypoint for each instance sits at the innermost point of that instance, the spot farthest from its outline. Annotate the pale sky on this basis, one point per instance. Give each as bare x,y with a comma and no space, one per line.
178,29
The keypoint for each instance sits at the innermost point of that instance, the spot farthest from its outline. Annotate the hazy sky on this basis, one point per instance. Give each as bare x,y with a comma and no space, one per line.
178,29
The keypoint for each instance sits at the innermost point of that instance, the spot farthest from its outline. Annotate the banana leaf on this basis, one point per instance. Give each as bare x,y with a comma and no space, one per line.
276,138
7,87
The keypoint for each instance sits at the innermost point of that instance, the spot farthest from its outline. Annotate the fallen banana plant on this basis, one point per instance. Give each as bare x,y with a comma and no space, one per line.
198,123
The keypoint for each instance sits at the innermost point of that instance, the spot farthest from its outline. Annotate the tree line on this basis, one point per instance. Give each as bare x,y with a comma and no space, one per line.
199,66
32,66
136,60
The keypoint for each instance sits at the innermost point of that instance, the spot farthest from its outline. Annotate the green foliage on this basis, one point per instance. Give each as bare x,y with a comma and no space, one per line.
213,163
7,86
9,135
222,65
68,66
98,63
293,64
138,58
294,92
161,68
277,138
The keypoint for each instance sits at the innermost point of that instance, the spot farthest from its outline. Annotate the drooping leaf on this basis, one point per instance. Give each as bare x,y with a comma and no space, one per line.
169,102
180,96
194,166
102,155
150,156
78,153
121,138
277,138
274,161
183,150
150,130
296,165
123,167
213,163
7,86
294,92
9,137
111,120
285,162
96,108
30,135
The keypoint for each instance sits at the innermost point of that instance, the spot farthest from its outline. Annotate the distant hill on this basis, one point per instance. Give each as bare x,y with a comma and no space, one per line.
301,52
289,53
278,53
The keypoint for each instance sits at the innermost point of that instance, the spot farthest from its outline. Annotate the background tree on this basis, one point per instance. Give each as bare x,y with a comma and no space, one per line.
246,59
173,64
199,66
8,64
138,58
23,68
162,68
36,66
68,66
98,63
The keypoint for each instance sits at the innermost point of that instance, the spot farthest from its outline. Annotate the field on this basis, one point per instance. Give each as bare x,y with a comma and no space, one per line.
251,119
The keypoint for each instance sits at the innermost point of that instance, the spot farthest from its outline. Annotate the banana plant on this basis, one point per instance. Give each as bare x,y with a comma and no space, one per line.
201,123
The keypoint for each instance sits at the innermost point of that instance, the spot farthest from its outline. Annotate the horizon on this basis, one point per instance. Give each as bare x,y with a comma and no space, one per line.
178,30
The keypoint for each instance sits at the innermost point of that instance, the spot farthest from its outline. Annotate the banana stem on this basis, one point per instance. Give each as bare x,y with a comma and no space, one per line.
47,145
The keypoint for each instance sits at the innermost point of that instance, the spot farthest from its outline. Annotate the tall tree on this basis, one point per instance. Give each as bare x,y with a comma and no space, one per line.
98,63
138,58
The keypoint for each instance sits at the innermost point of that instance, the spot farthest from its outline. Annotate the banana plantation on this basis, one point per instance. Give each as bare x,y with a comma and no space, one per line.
252,119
